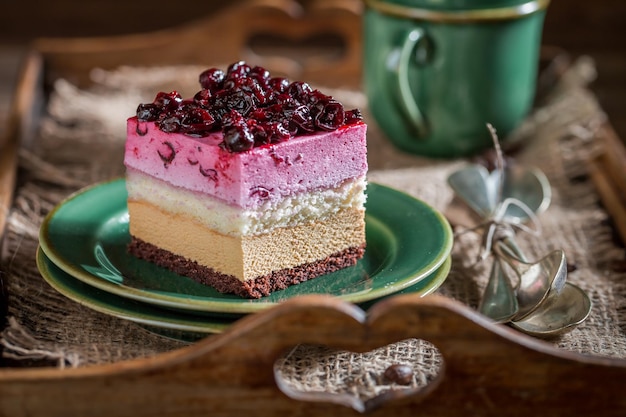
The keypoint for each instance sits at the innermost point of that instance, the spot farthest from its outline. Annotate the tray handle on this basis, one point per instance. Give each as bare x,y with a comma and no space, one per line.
229,36
19,131
486,368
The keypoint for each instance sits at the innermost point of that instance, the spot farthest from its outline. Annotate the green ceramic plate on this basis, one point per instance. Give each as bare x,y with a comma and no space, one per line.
167,322
86,236
145,314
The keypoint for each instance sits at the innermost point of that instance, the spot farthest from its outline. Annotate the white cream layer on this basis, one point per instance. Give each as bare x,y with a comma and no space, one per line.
235,221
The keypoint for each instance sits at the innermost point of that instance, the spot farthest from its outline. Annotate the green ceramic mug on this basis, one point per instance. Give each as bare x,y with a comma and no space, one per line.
437,71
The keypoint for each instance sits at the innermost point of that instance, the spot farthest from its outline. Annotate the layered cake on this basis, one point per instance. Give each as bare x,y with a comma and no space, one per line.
255,184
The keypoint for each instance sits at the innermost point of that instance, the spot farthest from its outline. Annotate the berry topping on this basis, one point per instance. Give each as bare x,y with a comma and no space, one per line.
210,173
168,101
261,192
249,107
167,153
212,79
148,112
328,114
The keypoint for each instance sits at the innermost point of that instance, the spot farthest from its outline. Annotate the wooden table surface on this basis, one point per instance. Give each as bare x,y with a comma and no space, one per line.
10,59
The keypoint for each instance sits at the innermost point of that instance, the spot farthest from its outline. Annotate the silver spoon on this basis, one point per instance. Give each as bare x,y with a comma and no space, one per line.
558,314
536,279
478,188
498,301
528,185
481,191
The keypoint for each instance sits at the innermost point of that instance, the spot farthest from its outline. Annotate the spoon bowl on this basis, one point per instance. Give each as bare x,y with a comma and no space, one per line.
536,279
528,185
558,314
478,189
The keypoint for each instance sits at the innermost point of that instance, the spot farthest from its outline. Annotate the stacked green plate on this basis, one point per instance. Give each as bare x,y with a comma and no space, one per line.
83,256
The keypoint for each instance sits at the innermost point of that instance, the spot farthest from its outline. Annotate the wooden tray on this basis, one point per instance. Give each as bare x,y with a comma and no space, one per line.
487,369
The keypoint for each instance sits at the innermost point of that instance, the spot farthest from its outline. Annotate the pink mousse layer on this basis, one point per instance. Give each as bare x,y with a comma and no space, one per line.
247,179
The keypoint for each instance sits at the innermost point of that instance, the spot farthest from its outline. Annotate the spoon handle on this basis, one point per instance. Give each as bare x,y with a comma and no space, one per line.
514,249
498,301
510,255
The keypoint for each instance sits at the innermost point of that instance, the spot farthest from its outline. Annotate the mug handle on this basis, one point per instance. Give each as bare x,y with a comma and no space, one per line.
407,103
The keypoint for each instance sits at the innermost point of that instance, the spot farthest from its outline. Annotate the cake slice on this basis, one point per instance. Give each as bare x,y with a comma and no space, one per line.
255,184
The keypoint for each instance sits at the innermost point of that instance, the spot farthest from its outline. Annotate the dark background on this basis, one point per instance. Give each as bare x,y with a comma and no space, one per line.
581,27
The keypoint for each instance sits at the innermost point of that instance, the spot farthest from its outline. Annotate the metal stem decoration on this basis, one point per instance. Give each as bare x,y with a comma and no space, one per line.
542,302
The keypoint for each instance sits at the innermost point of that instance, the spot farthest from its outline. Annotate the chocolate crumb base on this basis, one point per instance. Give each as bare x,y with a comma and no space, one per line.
257,288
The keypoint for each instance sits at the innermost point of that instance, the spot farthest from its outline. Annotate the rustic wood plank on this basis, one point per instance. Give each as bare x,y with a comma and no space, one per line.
16,129
8,167
611,196
614,157
223,39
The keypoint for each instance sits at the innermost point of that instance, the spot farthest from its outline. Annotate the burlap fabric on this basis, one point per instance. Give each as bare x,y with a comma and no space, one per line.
80,142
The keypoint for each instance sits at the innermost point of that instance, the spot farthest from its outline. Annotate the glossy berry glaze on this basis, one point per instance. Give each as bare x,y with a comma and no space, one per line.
248,107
